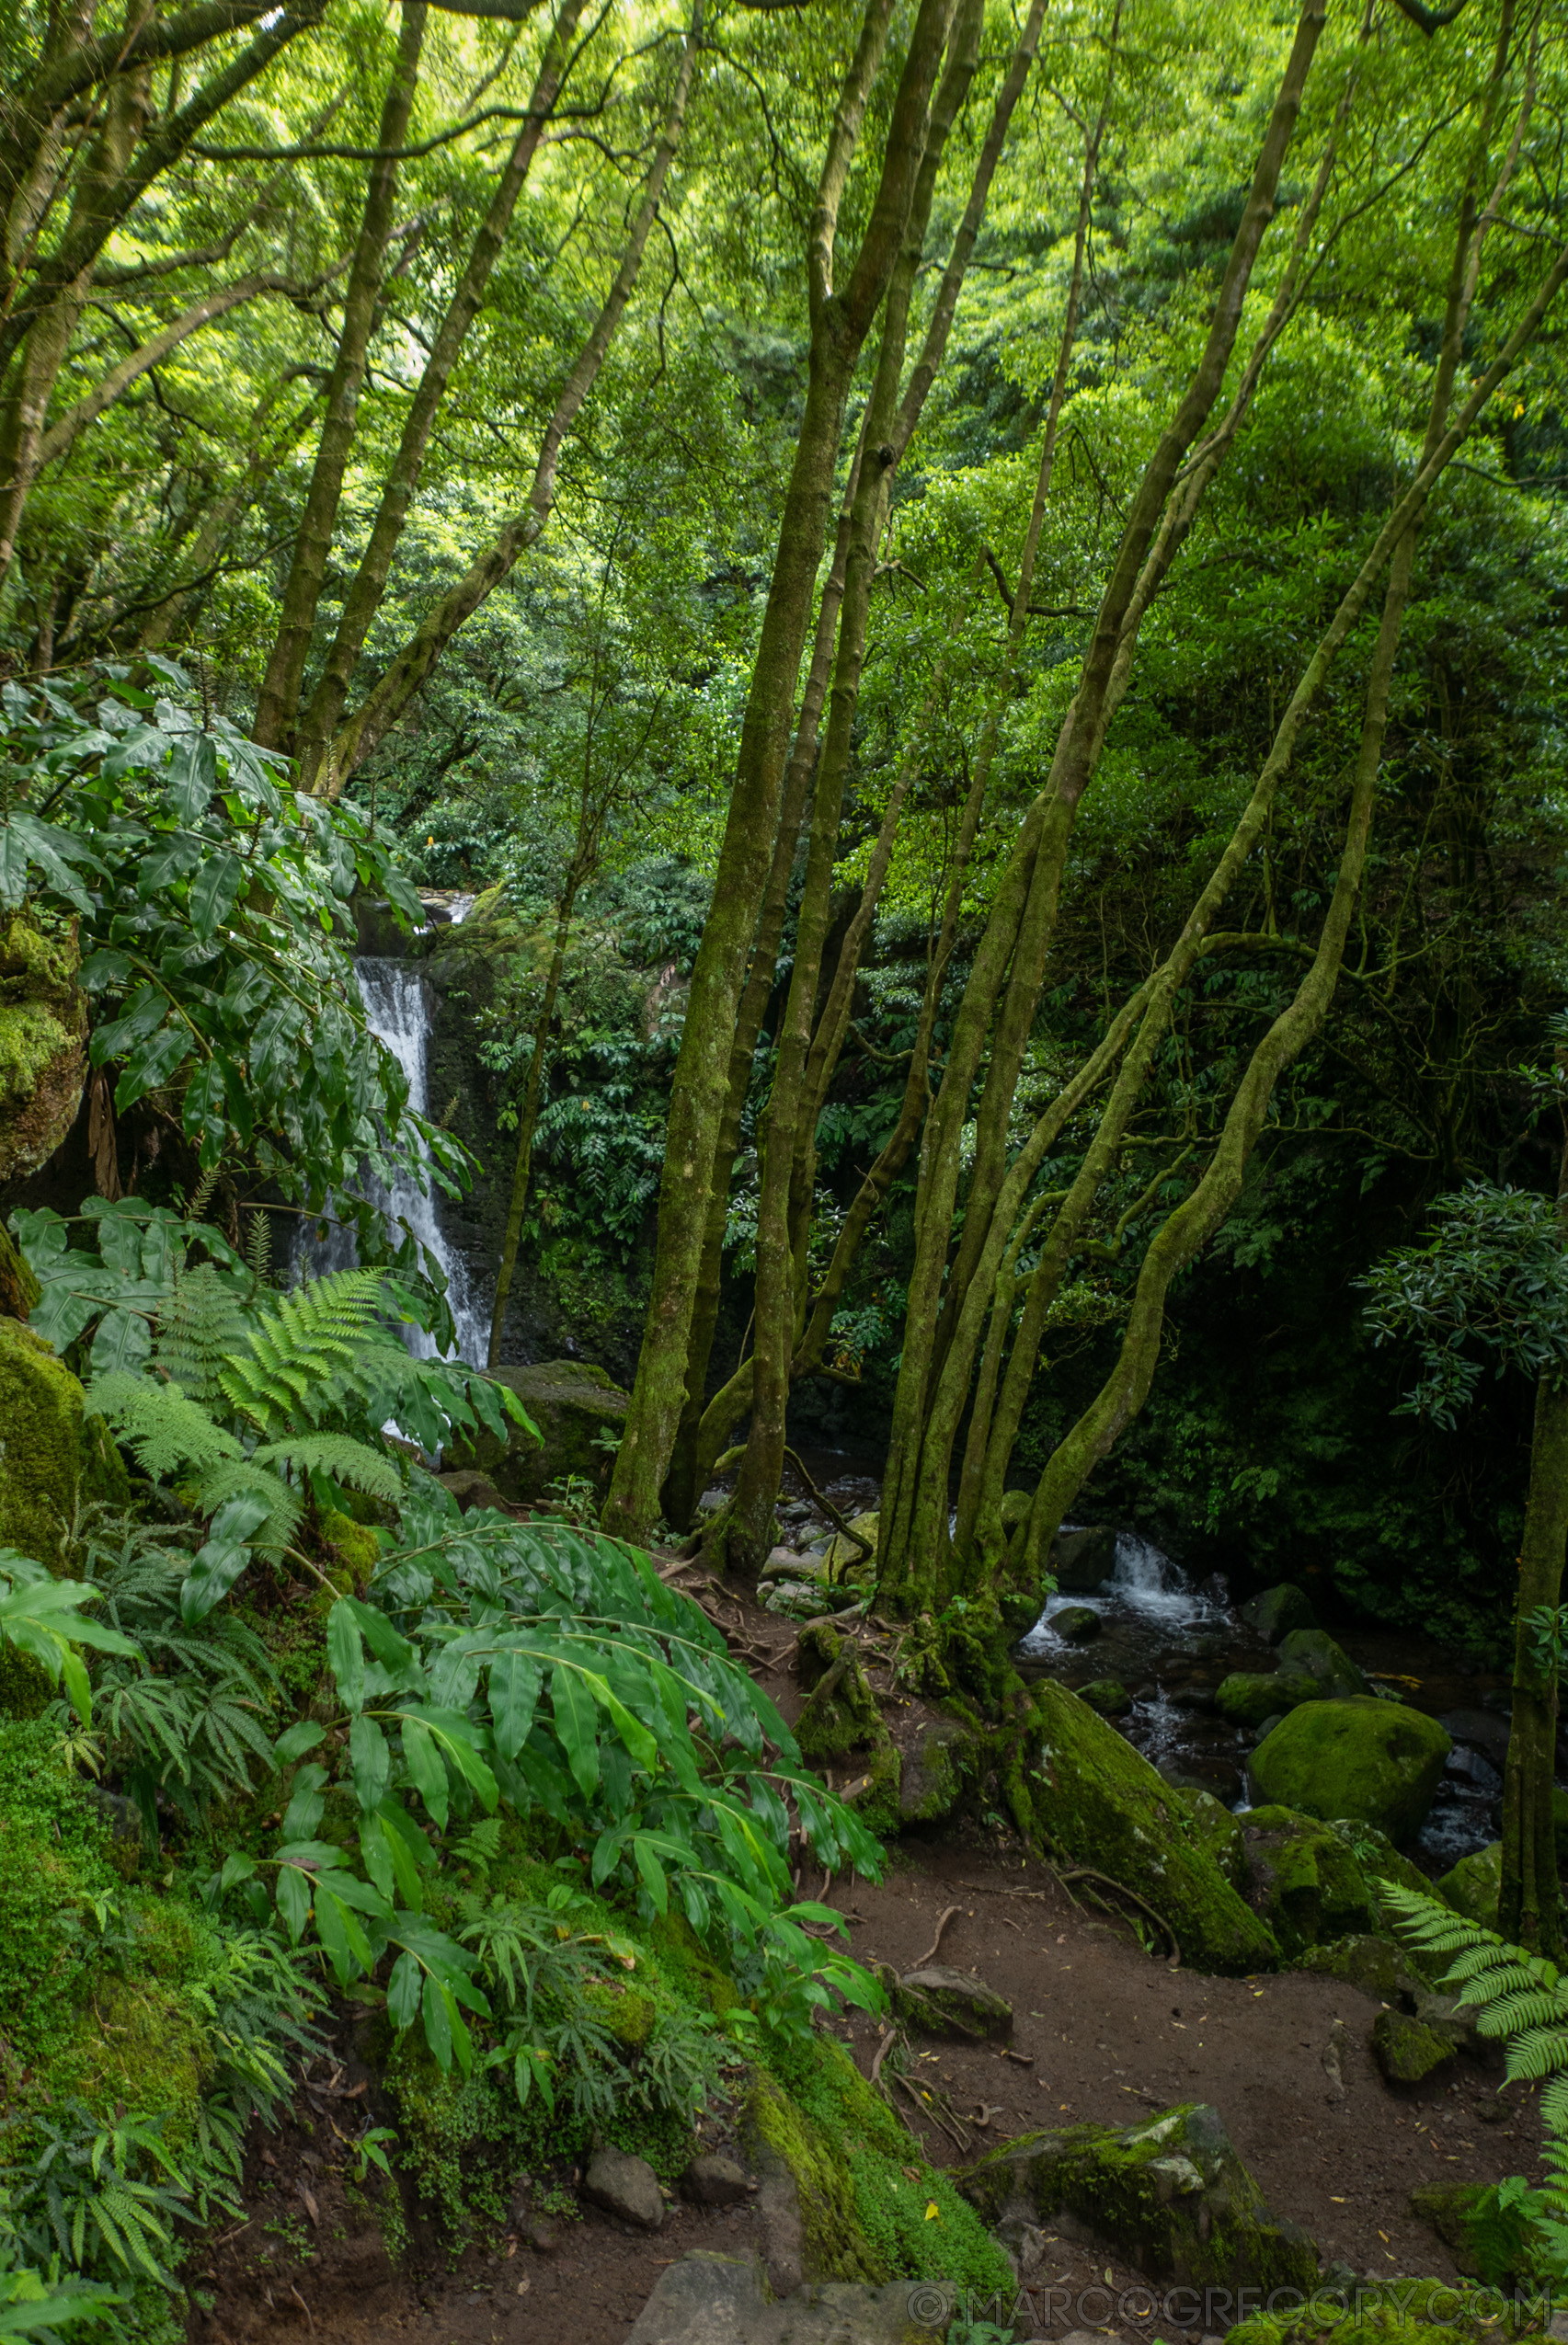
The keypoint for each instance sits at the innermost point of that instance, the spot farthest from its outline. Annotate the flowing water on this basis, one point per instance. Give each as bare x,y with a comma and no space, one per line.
397,1010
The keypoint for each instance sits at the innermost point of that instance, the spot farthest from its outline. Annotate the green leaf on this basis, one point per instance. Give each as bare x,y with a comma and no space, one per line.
293,1900
376,1850
152,1065
346,1655
439,2012
298,1739
403,1990
514,1691
652,1873
371,1760
213,891
393,1651
576,1722
122,1340
427,1767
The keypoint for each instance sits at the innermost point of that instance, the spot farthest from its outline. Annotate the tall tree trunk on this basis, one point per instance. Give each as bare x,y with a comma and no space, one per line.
364,597
387,699
276,704
840,322
1529,1904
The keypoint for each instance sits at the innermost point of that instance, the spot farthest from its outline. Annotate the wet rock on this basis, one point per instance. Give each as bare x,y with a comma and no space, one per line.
711,2180
1312,1652
1481,1730
1082,1560
936,1772
474,1492
1303,1880
845,1559
1104,1805
1378,1762
1447,2207
53,1454
626,2187
711,2300
1249,1696
1473,1886
1220,1832
1406,2050
947,2002
572,1405
1108,1695
1278,1611
544,2237
784,1563
1363,1961
1171,2195
1077,1623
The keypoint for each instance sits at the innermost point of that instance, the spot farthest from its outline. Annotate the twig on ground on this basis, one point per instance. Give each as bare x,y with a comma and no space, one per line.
1120,1889
931,1955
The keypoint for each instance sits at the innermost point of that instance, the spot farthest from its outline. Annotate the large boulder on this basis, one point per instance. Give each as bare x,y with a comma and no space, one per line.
53,1456
1172,2196
1102,1804
1407,2050
1303,1880
718,2300
1080,1559
1249,1696
573,1405
43,1027
1312,1652
1278,1610
1473,1886
1377,1762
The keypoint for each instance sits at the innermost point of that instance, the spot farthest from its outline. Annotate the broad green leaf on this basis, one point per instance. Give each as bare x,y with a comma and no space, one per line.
296,1741
652,1873
403,1990
372,1762
577,1720
427,1767
514,1692
293,1900
439,2015
346,1655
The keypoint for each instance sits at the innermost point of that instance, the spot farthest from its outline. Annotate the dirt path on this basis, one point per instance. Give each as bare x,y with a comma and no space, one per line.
1107,2032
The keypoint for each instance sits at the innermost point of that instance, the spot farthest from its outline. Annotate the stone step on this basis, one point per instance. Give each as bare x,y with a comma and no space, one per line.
721,2300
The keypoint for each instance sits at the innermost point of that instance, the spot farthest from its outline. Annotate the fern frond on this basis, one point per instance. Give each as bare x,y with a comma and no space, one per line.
1540,2051
241,1478
1513,2013
305,1350
337,1454
1554,2120
197,1327
164,1429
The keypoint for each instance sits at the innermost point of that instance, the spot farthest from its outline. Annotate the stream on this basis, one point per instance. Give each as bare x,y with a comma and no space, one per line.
1170,1641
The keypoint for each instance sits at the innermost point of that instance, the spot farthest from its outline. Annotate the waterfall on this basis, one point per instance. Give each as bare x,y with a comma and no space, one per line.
398,1011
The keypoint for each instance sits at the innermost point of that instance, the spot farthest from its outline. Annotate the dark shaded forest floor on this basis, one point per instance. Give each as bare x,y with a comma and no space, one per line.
1107,2032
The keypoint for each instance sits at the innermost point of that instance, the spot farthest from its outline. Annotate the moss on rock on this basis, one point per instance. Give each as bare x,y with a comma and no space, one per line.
44,1025
1303,1880
1312,1652
1473,1886
53,1864
53,1455
1221,1833
1249,1696
1376,1762
1368,1962
1171,2195
1408,2050
1101,1803
575,1408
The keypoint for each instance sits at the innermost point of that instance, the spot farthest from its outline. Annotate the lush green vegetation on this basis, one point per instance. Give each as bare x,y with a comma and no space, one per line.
974,595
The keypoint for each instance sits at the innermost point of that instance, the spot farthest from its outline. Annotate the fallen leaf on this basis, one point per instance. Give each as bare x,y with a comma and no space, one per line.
310,2205
933,2212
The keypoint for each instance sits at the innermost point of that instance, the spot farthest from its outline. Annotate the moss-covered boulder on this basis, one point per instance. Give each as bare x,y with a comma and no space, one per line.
938,1768
1379,1762
1303,1880
576,1409
1077,1623
1107,1695
53,1454
1312,1652
845,1558
942,2001
1172,2196
43,1027
53,1862
1220,1832
1409,2312
1080,1559
1101,1803
1449,2208
1407,2050
1248,1697
1473,1886
1279,1610
1371,1964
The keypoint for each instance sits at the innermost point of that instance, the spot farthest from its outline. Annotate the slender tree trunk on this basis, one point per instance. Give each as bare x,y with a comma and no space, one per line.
387,699
1529,1904
839,324
364,597
278,702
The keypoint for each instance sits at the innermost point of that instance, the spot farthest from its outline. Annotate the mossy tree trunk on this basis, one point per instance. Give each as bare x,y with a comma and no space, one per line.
1529,1903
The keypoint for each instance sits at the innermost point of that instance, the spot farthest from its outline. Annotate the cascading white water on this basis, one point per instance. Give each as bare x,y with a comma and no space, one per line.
1144,1582
398,1011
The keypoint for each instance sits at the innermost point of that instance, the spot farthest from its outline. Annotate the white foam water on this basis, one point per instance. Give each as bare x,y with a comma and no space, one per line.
1144,1582
397,1012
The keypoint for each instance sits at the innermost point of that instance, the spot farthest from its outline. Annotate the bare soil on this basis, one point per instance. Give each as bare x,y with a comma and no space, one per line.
1102,2032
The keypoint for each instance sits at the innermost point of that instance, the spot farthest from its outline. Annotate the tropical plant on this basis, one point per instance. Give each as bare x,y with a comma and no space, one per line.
531,1664
45,1617
1519,1999
212,900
